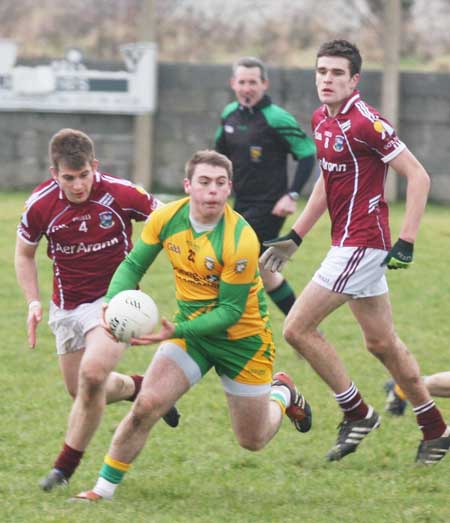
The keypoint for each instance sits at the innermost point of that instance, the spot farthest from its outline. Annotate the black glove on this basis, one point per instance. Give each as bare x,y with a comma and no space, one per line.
279,251
400,256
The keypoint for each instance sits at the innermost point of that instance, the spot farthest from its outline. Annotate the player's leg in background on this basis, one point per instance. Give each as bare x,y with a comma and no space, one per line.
438,384
278,289
69,364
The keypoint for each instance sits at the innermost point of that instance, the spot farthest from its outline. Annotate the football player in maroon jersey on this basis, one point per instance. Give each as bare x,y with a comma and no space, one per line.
86,217
355,147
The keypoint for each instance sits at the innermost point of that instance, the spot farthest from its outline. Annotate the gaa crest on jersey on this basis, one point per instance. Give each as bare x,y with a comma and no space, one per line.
229,129
106,219
209,263
241,265
255,153
338,145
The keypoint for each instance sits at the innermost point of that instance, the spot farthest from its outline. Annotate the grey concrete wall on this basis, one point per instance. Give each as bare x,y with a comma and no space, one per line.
24,139
191,97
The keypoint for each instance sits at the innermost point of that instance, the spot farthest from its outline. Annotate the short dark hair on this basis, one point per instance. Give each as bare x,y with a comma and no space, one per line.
71,147
251,61
208,157
344,49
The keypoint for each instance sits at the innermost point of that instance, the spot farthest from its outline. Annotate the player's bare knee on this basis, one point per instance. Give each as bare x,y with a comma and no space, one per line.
295,335
290,334
381,346
92,378
253,444
149,404
72,390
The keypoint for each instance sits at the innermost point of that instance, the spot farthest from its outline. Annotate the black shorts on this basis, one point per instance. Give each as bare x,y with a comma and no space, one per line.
266,225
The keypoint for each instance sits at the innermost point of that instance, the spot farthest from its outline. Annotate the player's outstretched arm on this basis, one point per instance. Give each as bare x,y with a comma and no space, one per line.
27,277
34,317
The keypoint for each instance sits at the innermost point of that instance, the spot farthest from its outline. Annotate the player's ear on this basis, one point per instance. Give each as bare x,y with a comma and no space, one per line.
53,172
355,80
94,165
187,186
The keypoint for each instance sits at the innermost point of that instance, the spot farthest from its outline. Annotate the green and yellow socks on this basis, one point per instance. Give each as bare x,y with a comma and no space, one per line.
111,474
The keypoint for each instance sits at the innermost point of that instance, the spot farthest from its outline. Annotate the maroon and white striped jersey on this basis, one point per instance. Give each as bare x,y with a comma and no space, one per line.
353,149
86,242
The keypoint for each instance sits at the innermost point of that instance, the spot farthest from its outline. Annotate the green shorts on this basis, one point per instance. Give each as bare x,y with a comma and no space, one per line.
247,360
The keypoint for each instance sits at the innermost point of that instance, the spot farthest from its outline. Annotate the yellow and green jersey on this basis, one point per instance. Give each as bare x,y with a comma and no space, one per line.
218,287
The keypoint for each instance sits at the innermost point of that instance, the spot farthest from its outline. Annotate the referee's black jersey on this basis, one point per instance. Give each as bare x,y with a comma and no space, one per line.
258,141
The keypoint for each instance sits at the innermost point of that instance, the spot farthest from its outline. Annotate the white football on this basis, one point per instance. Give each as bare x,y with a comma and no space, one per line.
131,314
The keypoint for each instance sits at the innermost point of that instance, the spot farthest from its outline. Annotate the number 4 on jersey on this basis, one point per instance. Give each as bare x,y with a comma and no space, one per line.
83,227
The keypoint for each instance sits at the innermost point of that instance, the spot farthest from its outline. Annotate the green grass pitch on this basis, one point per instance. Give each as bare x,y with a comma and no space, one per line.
197,473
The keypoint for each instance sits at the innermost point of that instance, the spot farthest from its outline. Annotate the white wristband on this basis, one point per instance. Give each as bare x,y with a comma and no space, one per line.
33,303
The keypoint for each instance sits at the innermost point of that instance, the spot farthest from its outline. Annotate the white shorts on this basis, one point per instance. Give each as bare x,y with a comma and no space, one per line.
70,327
356,271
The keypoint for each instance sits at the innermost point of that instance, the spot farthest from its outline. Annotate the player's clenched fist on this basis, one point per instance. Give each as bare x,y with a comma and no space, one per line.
400,256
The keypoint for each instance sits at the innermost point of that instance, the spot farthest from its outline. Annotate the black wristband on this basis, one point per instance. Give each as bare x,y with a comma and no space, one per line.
292,235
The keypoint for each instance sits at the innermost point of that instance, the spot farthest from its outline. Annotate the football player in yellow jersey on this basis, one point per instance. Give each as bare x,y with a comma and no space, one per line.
222,321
